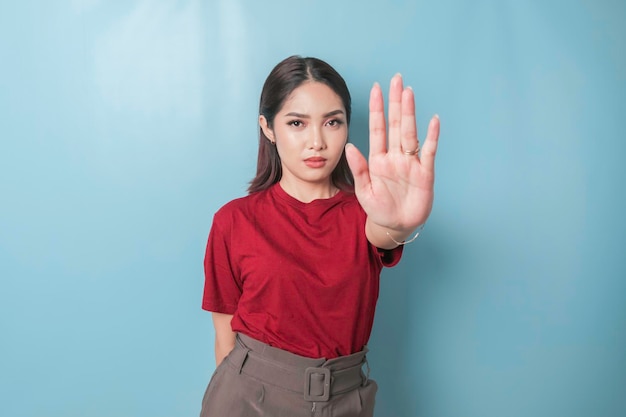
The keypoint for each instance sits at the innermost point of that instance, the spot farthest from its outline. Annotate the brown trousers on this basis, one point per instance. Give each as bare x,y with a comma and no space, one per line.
257,380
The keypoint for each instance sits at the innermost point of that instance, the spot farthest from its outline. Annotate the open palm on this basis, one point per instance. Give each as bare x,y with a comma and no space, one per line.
396,188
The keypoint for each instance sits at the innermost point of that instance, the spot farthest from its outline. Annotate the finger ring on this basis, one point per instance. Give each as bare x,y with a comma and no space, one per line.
415,152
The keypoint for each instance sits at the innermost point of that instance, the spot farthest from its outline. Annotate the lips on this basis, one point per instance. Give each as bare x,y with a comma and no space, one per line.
315,162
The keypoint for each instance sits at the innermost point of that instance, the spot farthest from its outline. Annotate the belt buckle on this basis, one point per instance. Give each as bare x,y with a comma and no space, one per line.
308,372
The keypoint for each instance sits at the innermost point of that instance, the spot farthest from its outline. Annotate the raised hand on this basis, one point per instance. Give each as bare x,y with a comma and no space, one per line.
396,188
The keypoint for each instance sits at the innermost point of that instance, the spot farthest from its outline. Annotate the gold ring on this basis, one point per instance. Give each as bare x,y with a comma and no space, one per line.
415,152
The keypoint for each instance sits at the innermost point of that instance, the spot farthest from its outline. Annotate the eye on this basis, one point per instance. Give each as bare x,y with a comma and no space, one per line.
296,123
334,122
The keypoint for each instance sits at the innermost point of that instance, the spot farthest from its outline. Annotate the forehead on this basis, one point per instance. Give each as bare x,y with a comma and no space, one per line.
313,97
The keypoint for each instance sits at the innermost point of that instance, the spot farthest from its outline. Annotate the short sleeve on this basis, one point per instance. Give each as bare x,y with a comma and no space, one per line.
222,289
391,257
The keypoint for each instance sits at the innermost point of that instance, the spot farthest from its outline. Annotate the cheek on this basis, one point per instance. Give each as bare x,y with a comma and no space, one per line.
340,138
286,149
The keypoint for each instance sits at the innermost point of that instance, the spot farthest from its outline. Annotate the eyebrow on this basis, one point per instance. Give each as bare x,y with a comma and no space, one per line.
306,116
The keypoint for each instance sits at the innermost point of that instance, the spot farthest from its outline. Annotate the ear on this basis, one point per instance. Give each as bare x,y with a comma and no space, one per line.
269,133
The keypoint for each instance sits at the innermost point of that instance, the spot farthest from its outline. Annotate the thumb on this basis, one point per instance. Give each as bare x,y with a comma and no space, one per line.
360,171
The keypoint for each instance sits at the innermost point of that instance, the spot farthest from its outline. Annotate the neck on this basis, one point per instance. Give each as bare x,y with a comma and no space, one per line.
307,192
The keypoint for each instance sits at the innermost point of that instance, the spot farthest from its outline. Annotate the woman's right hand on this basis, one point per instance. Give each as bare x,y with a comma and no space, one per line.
224,336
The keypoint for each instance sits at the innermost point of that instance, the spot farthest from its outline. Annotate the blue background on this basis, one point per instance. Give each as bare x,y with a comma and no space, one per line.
124,125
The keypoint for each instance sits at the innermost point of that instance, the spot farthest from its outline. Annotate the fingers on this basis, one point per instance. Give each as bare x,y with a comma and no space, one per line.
430,145
408,128
402,136
378,138
360,171
395,113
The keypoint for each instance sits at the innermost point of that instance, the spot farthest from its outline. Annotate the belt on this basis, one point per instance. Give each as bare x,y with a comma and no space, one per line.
315,379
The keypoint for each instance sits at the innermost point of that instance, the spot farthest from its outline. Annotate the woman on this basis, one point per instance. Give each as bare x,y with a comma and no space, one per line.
292,270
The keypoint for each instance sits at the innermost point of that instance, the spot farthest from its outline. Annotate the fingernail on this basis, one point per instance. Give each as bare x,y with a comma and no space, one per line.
437,116
398,75
409,88
375,84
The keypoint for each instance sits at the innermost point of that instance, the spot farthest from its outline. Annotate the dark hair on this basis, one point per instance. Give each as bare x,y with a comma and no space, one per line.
288,75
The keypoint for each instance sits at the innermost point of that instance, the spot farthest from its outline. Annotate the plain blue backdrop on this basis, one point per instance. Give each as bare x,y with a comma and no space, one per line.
124,125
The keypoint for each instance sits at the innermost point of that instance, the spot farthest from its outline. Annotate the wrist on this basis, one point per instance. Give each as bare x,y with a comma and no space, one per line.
385,237
401,239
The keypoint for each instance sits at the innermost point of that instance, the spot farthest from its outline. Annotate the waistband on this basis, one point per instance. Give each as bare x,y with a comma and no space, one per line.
315,379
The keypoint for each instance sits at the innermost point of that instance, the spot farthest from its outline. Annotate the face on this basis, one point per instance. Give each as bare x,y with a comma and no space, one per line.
310,132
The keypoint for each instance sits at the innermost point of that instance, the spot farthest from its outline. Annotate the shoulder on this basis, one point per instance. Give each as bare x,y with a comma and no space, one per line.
241,206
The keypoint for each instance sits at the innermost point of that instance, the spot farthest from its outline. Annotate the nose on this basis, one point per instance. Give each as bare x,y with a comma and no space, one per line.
316,140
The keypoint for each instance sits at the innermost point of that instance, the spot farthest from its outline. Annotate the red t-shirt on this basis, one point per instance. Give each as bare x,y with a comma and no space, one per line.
298,276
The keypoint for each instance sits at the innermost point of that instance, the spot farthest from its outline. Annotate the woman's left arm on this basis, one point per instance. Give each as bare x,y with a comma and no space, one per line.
396,188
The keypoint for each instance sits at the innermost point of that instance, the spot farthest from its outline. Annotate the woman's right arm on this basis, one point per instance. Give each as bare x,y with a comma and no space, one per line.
224,336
